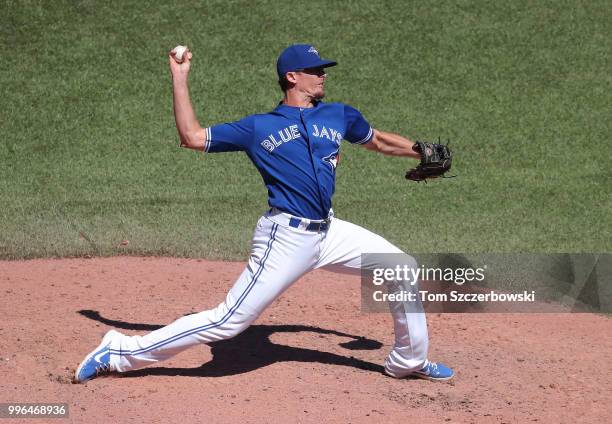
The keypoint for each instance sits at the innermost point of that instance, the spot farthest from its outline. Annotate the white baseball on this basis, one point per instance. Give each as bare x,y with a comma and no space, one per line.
179,52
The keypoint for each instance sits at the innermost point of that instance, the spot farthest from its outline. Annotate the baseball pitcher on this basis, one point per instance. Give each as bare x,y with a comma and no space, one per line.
295,147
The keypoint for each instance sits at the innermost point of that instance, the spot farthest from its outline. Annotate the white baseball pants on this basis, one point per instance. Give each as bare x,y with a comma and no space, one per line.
281,255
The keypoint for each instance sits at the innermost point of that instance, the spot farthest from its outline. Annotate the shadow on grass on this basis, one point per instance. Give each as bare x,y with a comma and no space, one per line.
253,349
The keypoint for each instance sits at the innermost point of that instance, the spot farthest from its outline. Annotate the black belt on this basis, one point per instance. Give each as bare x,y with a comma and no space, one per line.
312,226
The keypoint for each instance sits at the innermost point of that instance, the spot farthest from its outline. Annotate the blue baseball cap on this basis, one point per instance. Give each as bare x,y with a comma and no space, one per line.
299,57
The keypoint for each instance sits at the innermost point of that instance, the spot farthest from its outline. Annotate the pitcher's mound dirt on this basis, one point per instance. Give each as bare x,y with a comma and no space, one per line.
311,357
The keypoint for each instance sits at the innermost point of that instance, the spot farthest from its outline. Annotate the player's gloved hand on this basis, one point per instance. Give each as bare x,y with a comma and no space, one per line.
436,160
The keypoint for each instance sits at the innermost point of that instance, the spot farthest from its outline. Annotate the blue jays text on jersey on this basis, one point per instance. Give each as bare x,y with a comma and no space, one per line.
295,150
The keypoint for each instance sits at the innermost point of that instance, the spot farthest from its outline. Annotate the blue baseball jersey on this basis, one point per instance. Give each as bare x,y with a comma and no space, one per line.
295,150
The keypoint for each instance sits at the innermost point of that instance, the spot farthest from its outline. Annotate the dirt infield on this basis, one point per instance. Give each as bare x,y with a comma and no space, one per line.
311,357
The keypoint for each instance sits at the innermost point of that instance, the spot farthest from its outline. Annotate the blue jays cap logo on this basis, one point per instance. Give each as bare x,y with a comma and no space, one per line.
313,50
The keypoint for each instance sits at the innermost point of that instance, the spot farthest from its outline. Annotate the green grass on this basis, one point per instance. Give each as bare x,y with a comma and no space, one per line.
89,152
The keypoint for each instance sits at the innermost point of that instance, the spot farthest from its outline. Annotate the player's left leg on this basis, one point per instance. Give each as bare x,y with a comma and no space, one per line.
342,251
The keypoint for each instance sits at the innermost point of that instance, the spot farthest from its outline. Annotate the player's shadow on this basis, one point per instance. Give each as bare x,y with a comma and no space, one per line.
253,349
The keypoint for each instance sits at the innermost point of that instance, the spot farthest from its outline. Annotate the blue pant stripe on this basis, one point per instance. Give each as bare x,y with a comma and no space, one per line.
213,324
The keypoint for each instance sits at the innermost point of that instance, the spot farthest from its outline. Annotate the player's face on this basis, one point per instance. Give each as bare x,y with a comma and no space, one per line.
311,82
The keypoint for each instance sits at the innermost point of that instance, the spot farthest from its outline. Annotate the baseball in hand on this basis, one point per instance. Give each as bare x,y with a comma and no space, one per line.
179,53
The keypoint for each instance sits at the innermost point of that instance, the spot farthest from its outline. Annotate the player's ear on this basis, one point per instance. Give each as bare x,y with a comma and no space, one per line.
291,77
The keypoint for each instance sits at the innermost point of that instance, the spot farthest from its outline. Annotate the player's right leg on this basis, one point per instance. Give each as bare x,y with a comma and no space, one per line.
343,249
279,256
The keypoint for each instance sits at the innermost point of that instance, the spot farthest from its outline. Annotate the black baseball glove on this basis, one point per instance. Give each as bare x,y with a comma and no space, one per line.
435,161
